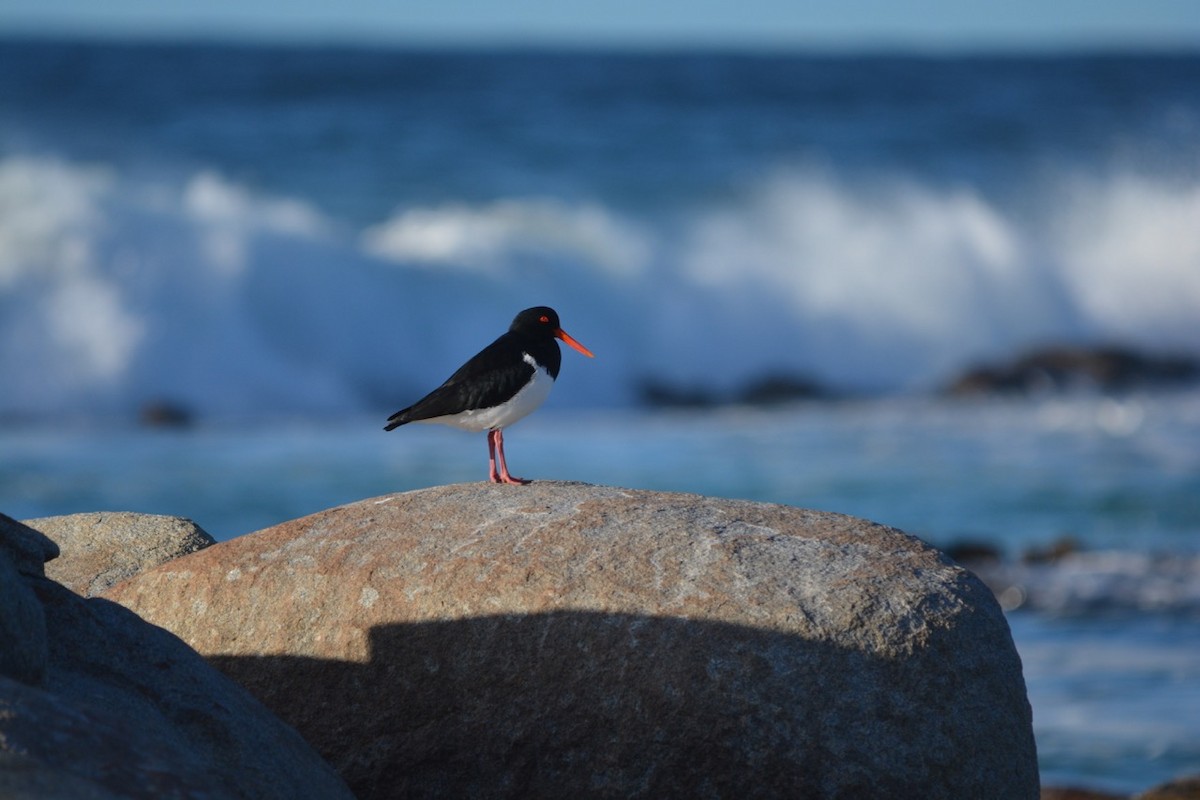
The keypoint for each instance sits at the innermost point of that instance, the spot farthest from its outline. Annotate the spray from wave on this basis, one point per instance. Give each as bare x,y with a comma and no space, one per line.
116,290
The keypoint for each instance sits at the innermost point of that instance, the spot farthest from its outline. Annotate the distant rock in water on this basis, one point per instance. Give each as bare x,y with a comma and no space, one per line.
566,640
778,389
1062,368
165,414
655,393
771,389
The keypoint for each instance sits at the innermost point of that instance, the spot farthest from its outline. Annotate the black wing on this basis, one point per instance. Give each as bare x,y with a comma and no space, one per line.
491,377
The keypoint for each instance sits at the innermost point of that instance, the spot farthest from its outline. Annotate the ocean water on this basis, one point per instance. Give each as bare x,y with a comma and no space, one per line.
291,243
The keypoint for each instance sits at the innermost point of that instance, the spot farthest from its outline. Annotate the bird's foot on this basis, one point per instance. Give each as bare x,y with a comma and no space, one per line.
497,464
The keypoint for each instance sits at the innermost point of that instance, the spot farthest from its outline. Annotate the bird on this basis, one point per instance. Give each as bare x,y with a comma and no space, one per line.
503,383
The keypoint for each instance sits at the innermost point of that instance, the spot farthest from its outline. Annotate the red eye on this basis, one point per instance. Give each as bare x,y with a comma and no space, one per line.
544,318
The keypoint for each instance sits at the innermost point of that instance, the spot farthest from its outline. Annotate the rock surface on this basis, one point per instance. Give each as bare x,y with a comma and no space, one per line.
96,703
559,639
101,548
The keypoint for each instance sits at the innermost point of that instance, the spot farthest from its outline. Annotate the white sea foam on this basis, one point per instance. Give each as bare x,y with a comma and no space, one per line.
1129,250
892,284
115,289
491,237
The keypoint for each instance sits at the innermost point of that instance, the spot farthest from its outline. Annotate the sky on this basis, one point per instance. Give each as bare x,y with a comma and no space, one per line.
913,24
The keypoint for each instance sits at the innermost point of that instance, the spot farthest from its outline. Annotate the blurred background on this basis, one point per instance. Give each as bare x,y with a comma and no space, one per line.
931,264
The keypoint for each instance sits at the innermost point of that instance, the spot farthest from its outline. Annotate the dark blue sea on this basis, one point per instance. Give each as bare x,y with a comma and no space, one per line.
289,243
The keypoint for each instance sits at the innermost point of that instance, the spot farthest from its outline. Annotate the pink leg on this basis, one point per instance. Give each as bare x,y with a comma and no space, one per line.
493,475
496,459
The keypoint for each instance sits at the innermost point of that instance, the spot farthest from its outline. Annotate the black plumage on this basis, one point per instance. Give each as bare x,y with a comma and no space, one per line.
500,385
496,373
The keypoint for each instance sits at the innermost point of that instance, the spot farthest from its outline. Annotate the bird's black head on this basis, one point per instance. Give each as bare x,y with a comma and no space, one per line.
543,321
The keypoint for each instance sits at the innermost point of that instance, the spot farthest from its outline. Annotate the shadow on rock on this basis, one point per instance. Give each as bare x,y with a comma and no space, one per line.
582,703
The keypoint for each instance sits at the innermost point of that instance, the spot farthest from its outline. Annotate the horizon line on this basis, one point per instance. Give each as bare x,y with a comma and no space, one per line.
350,38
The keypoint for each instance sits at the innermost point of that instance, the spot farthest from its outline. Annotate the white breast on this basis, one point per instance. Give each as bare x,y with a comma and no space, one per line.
522,404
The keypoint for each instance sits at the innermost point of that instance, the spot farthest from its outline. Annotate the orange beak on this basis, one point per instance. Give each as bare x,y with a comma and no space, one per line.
561,334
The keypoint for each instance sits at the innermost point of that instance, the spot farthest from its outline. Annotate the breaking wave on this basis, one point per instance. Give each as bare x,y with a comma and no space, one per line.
116,289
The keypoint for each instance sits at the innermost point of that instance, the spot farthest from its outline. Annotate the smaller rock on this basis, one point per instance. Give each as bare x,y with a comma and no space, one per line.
23,645
55,747
656,393
28,549
126,710
100,549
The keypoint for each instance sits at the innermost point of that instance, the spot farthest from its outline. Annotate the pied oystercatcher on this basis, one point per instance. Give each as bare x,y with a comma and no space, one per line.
504,382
